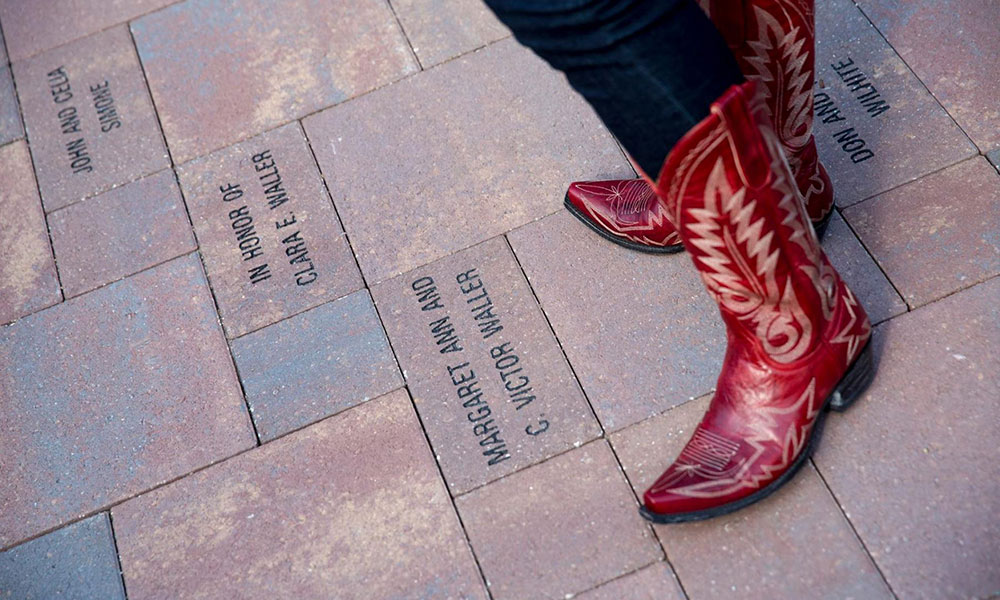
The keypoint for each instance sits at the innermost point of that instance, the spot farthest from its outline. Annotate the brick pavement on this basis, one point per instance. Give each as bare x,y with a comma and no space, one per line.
252,271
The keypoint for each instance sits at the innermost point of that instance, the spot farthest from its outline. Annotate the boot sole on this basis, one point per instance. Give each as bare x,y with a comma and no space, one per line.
847,391
673,248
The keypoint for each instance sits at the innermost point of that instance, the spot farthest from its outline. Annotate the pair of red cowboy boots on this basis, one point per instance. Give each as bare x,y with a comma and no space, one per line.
742,192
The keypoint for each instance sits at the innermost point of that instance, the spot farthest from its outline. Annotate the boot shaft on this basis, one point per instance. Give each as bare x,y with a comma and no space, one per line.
730,193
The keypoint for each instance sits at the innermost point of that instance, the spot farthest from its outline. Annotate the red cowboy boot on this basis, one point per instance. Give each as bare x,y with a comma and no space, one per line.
797,337
774,44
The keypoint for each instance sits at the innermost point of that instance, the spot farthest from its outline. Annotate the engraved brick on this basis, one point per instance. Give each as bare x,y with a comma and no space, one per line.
443,29
466,152
655,582
952,46
10,116
915,462
489,381
32,27
270,237
867,147
793,544
111,393
938,234
89,117
120,232
250,66
315,364
77,562
558,528
351,507
28,281
639,329
860,272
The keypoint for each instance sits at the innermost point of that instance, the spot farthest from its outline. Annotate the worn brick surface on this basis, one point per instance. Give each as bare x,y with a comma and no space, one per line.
111,393
915,462
861,273
487,377
639,329
467,151
295,236
57,117
352,507
938,234
10,116
952,46
794,544
655,582
120,232
558,528
32,27
913,137
221,72
315,364
77,562
27,273
443,29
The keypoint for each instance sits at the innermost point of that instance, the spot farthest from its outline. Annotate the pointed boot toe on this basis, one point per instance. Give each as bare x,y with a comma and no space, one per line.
626,212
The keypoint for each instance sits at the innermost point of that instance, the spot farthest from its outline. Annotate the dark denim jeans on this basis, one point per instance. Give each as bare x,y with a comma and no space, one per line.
650,68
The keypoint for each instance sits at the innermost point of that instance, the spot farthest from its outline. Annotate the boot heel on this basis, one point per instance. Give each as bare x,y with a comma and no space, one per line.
855,381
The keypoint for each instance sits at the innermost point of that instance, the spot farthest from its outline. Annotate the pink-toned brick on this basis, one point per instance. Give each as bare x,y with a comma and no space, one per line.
89,117
120,232
271,241
655,582
442,29
351,507
111,393
28,279
466,151
639,329
32,27
938,234
249,66
793,544
876,124
952,46
914,463
557,528
488,379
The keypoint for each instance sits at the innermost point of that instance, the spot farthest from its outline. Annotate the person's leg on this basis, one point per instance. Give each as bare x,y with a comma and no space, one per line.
650,68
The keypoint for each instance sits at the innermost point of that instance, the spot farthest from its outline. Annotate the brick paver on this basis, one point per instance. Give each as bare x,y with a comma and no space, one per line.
10,115
77,562
655,582
442,29
467,151
315,364
32,27
557,528
249,66
347,246
639,329
794,544
120,232
28,279
352,507
952,47
271,240
914,464
876,125
488,379
111,393
89,117
938,234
